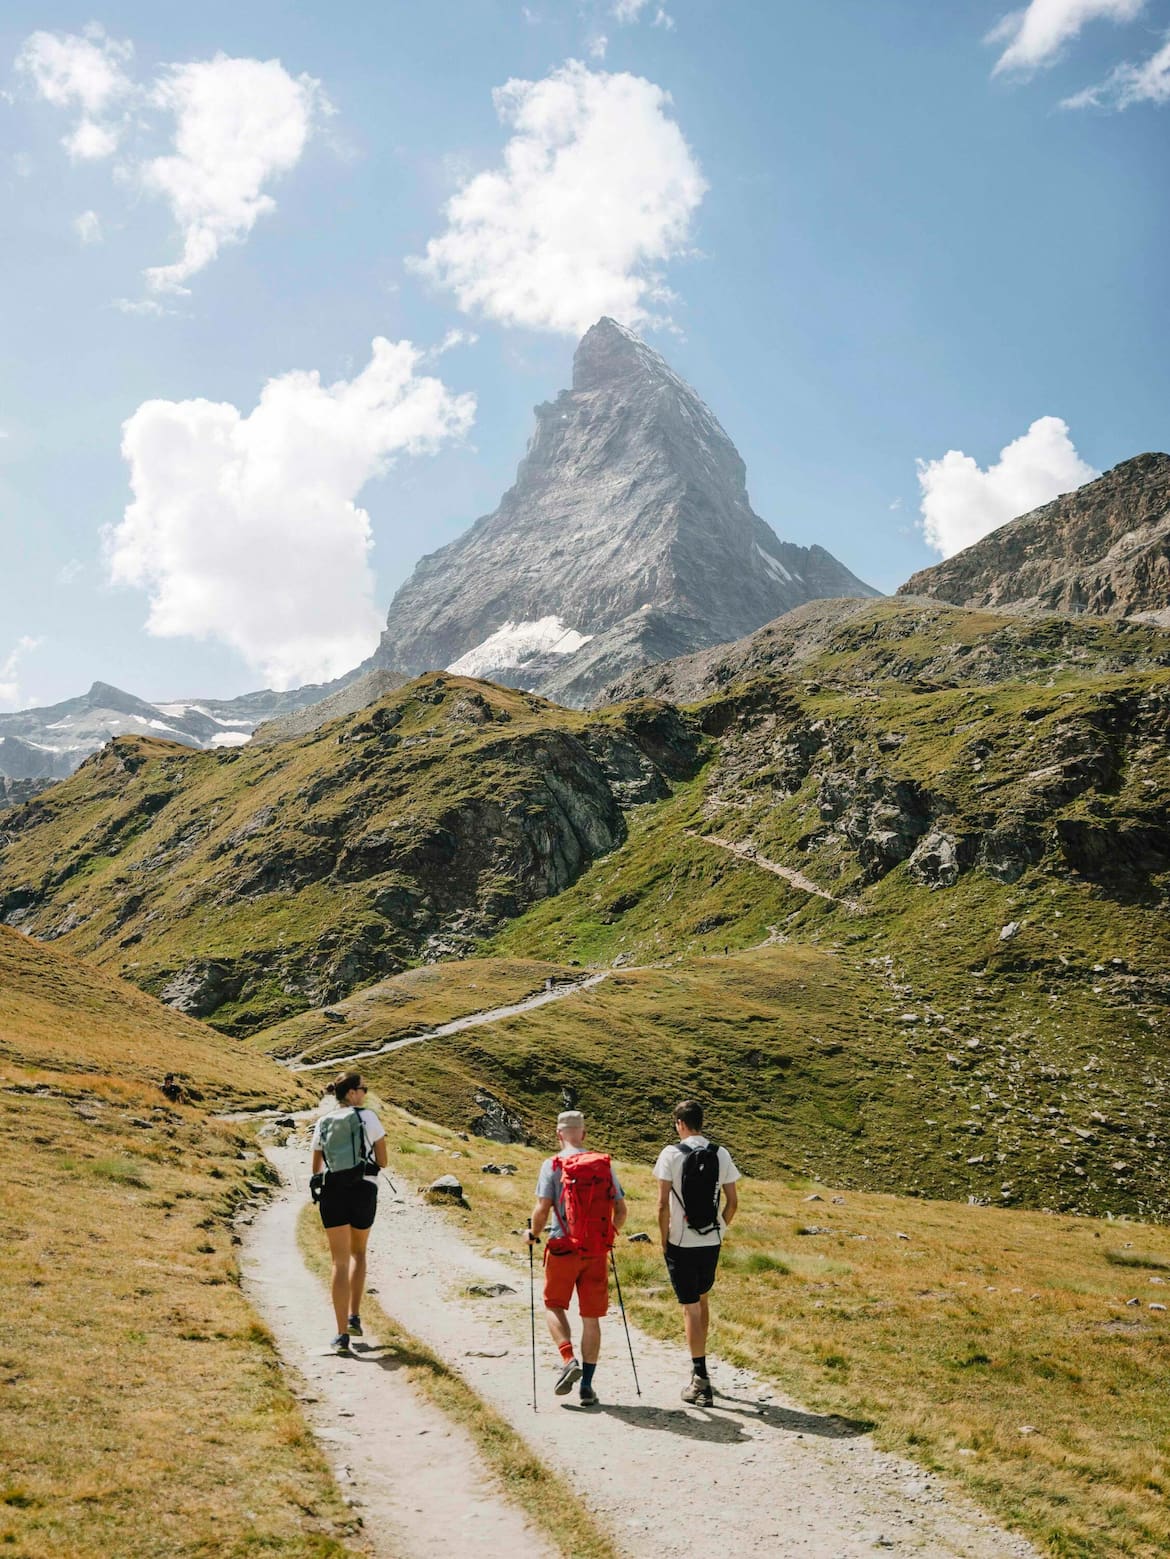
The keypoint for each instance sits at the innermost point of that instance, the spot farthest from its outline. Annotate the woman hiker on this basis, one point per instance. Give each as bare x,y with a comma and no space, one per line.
349,1144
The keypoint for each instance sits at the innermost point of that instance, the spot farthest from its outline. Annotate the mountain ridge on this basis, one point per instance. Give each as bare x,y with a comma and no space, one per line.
631,499
1101,549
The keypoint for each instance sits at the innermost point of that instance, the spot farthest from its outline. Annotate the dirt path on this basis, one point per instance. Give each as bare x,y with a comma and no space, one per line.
748,852
415,1477
469,1020
757,1475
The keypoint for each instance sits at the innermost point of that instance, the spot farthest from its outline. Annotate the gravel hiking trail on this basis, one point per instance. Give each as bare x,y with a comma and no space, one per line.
744,850
469,1020
756,1474
414,1476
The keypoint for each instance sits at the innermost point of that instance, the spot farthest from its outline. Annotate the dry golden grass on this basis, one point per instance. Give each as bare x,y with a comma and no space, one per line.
61,1013
995,1346
546,1498
142,1407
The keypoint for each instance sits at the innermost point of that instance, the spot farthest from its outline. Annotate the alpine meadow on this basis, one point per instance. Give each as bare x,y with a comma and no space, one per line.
639,1021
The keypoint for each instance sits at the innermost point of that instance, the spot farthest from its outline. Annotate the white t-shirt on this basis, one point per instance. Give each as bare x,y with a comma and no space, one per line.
374,1129
670,1167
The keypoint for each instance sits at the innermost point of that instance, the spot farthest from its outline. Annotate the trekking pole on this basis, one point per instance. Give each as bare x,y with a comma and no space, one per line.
532,1310
625,1323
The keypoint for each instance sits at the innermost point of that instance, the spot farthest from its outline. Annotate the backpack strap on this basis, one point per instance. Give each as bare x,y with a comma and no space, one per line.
686,1150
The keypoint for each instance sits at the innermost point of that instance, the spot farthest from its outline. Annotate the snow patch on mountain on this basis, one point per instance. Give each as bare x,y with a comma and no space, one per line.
514,644
775,567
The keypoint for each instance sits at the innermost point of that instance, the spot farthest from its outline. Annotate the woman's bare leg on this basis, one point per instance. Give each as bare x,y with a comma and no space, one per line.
340,1241
360,1238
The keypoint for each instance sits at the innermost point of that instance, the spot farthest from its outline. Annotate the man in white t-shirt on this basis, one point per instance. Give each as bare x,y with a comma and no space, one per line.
691,1224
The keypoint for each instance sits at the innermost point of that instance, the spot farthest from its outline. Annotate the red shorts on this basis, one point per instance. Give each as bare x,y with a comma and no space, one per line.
572,1269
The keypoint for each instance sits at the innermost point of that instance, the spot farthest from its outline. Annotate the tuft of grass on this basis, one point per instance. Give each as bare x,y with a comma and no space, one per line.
1136,1258
545,1496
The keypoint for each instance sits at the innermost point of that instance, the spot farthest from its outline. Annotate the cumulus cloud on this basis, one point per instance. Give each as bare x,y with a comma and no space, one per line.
1035,35
597,191
962,503
239,123
81,71
245,529
1148,82
88,227
234,127
11,696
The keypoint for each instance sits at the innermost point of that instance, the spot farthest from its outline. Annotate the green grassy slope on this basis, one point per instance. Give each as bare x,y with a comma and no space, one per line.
988,1014
248,884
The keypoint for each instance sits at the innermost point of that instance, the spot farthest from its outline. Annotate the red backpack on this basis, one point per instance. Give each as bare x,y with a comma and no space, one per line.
586,1209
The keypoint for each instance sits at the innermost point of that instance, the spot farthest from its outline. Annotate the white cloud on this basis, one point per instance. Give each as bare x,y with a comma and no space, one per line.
962,503
245,528
11,696
597,190
83,71
452,339
1148,82
88,227
1036,35
629,10
238,124
235,126
146,306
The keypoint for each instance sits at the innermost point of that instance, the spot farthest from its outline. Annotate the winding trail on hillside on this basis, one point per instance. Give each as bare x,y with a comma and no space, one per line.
414,1476
469,1020
744,850
757,1474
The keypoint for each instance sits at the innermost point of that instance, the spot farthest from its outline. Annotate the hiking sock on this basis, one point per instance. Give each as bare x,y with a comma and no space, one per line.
699,1367
566,1350
587,1376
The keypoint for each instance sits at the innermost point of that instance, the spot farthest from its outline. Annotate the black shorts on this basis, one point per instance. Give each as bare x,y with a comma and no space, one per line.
692,1270
354,1202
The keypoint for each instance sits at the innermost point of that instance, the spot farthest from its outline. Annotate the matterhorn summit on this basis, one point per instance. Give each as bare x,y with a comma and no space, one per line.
626,539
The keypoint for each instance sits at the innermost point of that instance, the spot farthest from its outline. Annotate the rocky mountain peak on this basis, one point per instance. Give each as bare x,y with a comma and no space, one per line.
628,537
1103,549
609,353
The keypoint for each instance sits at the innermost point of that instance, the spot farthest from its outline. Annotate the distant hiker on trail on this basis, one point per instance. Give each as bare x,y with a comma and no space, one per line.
349,1148
580,1198
691,1175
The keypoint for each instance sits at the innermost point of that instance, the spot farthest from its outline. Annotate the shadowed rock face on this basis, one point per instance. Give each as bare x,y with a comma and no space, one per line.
1103,549
629,522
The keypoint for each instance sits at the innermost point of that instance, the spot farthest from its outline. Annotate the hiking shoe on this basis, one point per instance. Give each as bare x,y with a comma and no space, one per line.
698,1393
355,1326
340,1344
589,1397
568,1378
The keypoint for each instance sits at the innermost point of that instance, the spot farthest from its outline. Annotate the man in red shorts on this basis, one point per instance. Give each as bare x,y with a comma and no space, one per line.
581,1218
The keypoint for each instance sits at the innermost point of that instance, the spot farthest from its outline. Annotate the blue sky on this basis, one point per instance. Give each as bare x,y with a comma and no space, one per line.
879,250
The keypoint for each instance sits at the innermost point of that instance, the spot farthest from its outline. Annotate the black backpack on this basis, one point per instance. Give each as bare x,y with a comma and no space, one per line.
700,1187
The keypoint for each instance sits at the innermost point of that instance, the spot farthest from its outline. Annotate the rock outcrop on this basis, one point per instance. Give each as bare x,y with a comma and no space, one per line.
924,644
627,538
1104,548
